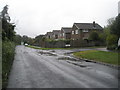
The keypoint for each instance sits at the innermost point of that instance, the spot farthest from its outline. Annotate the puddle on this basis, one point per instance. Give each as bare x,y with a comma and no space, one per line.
47,53
67,58
52,51
80,65
25,52
87,61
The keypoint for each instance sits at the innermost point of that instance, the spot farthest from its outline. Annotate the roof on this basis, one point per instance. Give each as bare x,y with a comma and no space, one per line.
88,26
49,33
66,29
56,31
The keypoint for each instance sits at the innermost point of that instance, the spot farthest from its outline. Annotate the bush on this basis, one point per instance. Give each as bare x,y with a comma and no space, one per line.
112,42
94,36
111,47
7,60
112,39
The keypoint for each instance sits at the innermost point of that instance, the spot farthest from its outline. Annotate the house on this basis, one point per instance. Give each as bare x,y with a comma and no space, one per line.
65,33
49,35
56,34
81,31
119,7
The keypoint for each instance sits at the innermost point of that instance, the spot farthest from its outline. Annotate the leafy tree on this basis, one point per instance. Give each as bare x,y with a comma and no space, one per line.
110,21
18,39
8,32
115,28
38,40
94,36
27,40
112,41
8,45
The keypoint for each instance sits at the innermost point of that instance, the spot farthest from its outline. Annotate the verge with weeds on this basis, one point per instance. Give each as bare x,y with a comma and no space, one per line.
102,56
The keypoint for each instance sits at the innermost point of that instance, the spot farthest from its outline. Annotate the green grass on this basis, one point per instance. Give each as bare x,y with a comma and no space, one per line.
102,56
46,48
7,60
92,47
35,47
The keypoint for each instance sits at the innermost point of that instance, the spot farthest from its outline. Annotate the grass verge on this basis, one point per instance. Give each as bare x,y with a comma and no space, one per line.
102,56
35,47
7,60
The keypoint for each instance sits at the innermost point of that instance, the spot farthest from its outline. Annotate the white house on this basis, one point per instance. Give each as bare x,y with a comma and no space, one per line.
119,42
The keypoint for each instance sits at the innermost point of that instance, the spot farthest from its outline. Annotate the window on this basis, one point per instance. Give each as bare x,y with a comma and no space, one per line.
72,32
60,35
63,34
76,31
85,30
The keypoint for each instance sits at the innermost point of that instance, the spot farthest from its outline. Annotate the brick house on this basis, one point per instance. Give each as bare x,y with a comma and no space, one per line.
65,33
81,31
56,34
49,35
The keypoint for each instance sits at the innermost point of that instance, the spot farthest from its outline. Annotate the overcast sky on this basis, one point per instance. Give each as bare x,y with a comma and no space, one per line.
35,17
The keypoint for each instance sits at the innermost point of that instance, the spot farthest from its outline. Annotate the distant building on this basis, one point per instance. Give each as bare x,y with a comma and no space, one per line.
56,34
119,7
81,31
66,32
49,35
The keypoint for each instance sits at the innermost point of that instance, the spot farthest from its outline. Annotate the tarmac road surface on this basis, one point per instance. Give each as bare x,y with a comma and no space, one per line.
54,69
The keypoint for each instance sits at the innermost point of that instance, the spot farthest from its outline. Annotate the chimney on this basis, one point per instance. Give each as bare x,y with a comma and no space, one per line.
93,23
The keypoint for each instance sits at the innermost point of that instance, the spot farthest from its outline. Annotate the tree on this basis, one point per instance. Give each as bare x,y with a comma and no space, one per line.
94,36
8,32
112,41
115,28
38,40
110,21
18,39
27,40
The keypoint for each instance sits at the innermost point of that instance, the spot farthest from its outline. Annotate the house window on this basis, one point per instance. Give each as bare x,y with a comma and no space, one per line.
49,37
85,30
60,35
72,32
63,34
76,31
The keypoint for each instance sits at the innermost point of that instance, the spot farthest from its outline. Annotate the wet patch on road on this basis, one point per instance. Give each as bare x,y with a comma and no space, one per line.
52,51
25,52
80,65
67,58
73,61
47,53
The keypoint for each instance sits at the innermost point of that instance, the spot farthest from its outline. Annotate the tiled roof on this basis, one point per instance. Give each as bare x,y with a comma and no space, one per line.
56,31
66,29
49,33
87,26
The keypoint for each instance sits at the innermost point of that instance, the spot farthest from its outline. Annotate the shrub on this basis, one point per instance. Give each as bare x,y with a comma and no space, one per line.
94,36
7,60
112,41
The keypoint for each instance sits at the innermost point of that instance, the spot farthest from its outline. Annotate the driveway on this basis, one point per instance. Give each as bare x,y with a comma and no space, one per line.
55,69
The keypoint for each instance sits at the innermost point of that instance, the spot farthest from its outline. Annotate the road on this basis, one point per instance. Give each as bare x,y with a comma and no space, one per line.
55,69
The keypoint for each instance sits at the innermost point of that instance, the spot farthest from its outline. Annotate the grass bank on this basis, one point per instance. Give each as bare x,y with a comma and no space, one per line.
35,47
8,49
102,56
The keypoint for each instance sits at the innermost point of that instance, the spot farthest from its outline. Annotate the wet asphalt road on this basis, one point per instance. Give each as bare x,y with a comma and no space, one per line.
54,69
